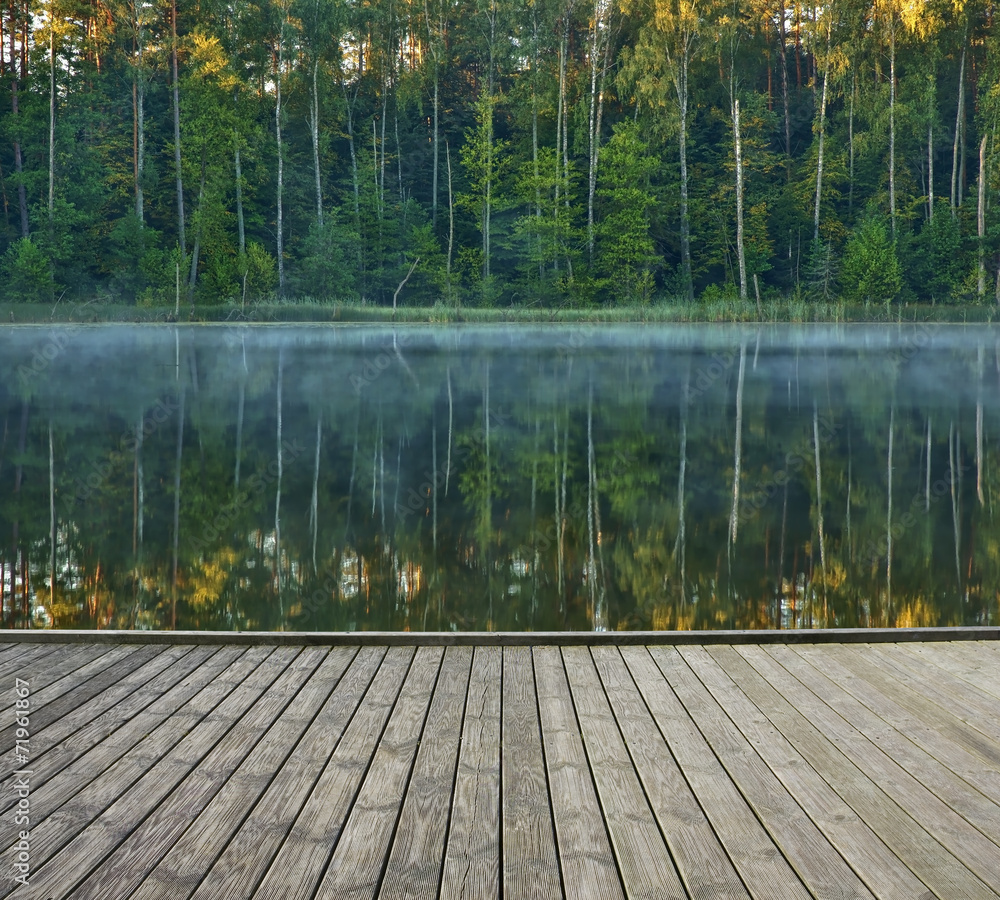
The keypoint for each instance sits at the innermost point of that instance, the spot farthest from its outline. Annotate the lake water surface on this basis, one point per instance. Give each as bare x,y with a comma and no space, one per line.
499,478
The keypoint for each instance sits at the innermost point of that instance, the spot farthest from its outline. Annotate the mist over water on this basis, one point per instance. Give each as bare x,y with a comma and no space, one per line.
507,478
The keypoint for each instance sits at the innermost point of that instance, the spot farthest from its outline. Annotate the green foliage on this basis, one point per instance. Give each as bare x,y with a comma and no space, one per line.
325,269
871,271
259,269
27,273
624,257
514,110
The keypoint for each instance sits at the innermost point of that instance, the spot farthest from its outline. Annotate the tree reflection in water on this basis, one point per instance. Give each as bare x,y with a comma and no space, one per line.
507,478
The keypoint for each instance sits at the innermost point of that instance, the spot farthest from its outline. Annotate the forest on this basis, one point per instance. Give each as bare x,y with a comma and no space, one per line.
507,153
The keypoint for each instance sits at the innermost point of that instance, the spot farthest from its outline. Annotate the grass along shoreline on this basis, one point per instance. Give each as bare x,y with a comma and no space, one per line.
723,310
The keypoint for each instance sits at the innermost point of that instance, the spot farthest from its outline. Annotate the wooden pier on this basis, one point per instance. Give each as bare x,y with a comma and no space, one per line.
215,767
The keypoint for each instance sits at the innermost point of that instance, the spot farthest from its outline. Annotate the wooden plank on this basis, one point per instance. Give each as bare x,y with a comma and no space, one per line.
947,752
242,865
644,860
472,852
808,850
58,744
302,858
973,698
942,712
67,659
70,691
355,870
859,843
134,691
240,765
962,662
700,858
67,844
417,856
977,808
585,856
82,758
71,666
822,736
26,658
762,868
530,866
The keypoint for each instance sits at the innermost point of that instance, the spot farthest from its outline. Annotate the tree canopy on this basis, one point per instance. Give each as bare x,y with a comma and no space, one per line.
506,152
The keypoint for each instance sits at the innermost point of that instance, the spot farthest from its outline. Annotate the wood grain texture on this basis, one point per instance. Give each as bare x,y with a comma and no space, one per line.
242,865
530,865
302,859
976,807
355,870
235,772
592,769
763,870
585,855
472,850
936,843
109,767
929,738
925,701
112,806
643,857
807,849
417,855
702,862
862,847
68,738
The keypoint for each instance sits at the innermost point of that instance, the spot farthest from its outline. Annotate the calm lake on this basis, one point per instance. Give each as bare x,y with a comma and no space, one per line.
499,478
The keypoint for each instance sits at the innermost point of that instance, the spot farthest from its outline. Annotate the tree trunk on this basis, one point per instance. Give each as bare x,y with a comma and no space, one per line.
277,490
979,429
451,218
737,148
888,513
52,518
931,104
240,226
177,510
819,494
892,123
681,85
239,439
193,276
822,132
281,168
597,47
953,473
177,133
850,145
956,199
981,218
22,196
680,547
784,90
52,117
314,133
